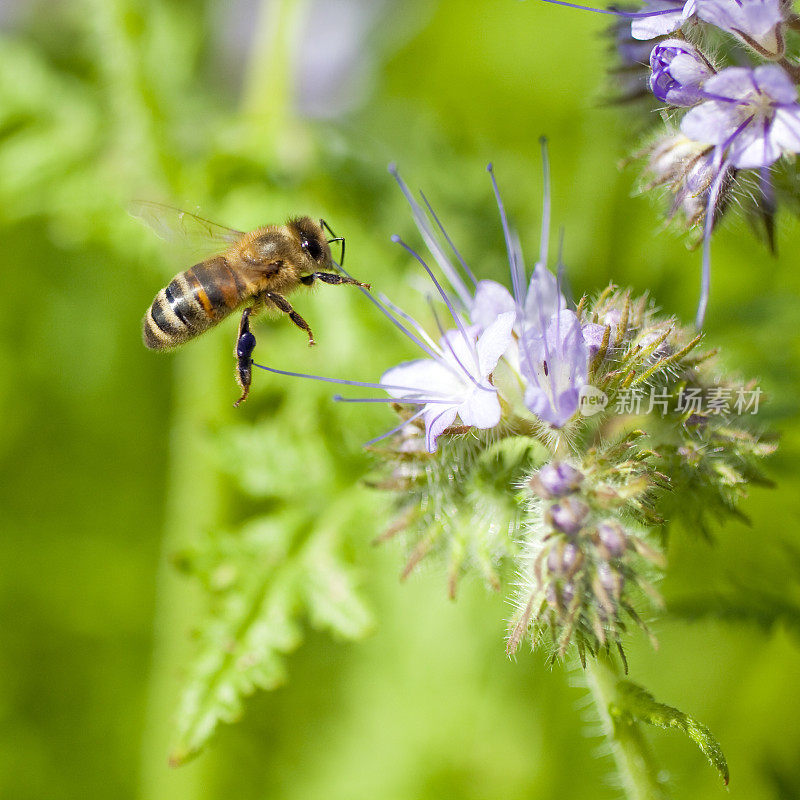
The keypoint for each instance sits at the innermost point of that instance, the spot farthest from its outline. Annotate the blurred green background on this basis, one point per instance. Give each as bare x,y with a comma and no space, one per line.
115,459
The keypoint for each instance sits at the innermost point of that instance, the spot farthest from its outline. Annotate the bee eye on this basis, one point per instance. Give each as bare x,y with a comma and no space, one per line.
312,247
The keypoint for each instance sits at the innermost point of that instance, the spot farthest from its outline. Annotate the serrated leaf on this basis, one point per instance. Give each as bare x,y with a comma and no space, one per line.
635,704
329,591
261,581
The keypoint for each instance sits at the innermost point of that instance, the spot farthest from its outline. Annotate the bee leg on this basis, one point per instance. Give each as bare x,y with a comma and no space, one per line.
243,352
333,278
282,304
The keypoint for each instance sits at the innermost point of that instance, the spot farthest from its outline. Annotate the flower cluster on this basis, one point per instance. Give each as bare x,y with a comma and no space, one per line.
500,463
733,113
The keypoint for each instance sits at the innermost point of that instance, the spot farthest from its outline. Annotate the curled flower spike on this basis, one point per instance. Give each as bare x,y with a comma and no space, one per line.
738,118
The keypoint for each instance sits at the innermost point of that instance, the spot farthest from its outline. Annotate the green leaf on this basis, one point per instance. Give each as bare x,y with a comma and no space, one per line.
635,704
262,580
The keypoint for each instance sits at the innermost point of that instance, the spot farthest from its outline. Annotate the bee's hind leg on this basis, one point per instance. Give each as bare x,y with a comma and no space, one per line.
243,352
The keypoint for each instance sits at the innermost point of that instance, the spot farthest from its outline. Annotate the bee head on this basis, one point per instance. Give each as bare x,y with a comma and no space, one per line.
313,241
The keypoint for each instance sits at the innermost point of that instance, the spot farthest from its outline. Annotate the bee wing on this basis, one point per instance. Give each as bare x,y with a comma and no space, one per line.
175,225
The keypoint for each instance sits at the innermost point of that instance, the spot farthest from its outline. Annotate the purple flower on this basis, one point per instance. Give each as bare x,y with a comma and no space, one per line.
553,357
757,22
454,383
555,364
678,72
751,116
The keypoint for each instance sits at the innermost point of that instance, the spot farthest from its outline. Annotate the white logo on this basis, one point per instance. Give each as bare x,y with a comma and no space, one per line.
591,400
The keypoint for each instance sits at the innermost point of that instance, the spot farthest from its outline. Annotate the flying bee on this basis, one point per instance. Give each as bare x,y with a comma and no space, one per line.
255,271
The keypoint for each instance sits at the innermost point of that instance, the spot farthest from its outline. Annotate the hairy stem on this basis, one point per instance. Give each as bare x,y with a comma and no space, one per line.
635,765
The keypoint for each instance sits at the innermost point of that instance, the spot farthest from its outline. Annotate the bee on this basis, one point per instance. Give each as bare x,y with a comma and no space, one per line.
255,271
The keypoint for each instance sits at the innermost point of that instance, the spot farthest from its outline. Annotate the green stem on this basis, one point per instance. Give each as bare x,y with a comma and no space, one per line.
267,95
194,504
635,765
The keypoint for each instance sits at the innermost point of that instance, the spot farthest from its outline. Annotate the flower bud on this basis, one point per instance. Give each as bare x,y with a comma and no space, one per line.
559,597
678,72
610,579
556,480
562,559
593,335
568,515
688,169
611,538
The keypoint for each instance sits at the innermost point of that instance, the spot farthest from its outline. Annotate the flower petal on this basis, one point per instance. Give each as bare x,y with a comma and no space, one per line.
481,409
756,18
437,420
669,20
491,300
711,122
543,298
774,82
493,342
754,147
423,377
555,366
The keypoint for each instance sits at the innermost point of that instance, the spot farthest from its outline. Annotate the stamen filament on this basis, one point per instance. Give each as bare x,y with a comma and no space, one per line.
430,240
453,313
431,352
461,261
342,382
613,12
396,428
544,240
517,270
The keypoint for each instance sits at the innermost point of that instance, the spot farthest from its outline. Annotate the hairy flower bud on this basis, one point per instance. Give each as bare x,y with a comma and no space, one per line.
611,538
562,559
568,515
688,169
678,72
556,480
560,596
610,579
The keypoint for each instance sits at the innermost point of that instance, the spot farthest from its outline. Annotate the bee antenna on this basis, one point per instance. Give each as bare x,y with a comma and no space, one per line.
335,238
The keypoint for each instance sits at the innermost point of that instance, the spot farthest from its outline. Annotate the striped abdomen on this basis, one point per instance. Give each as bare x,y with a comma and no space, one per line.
194,301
